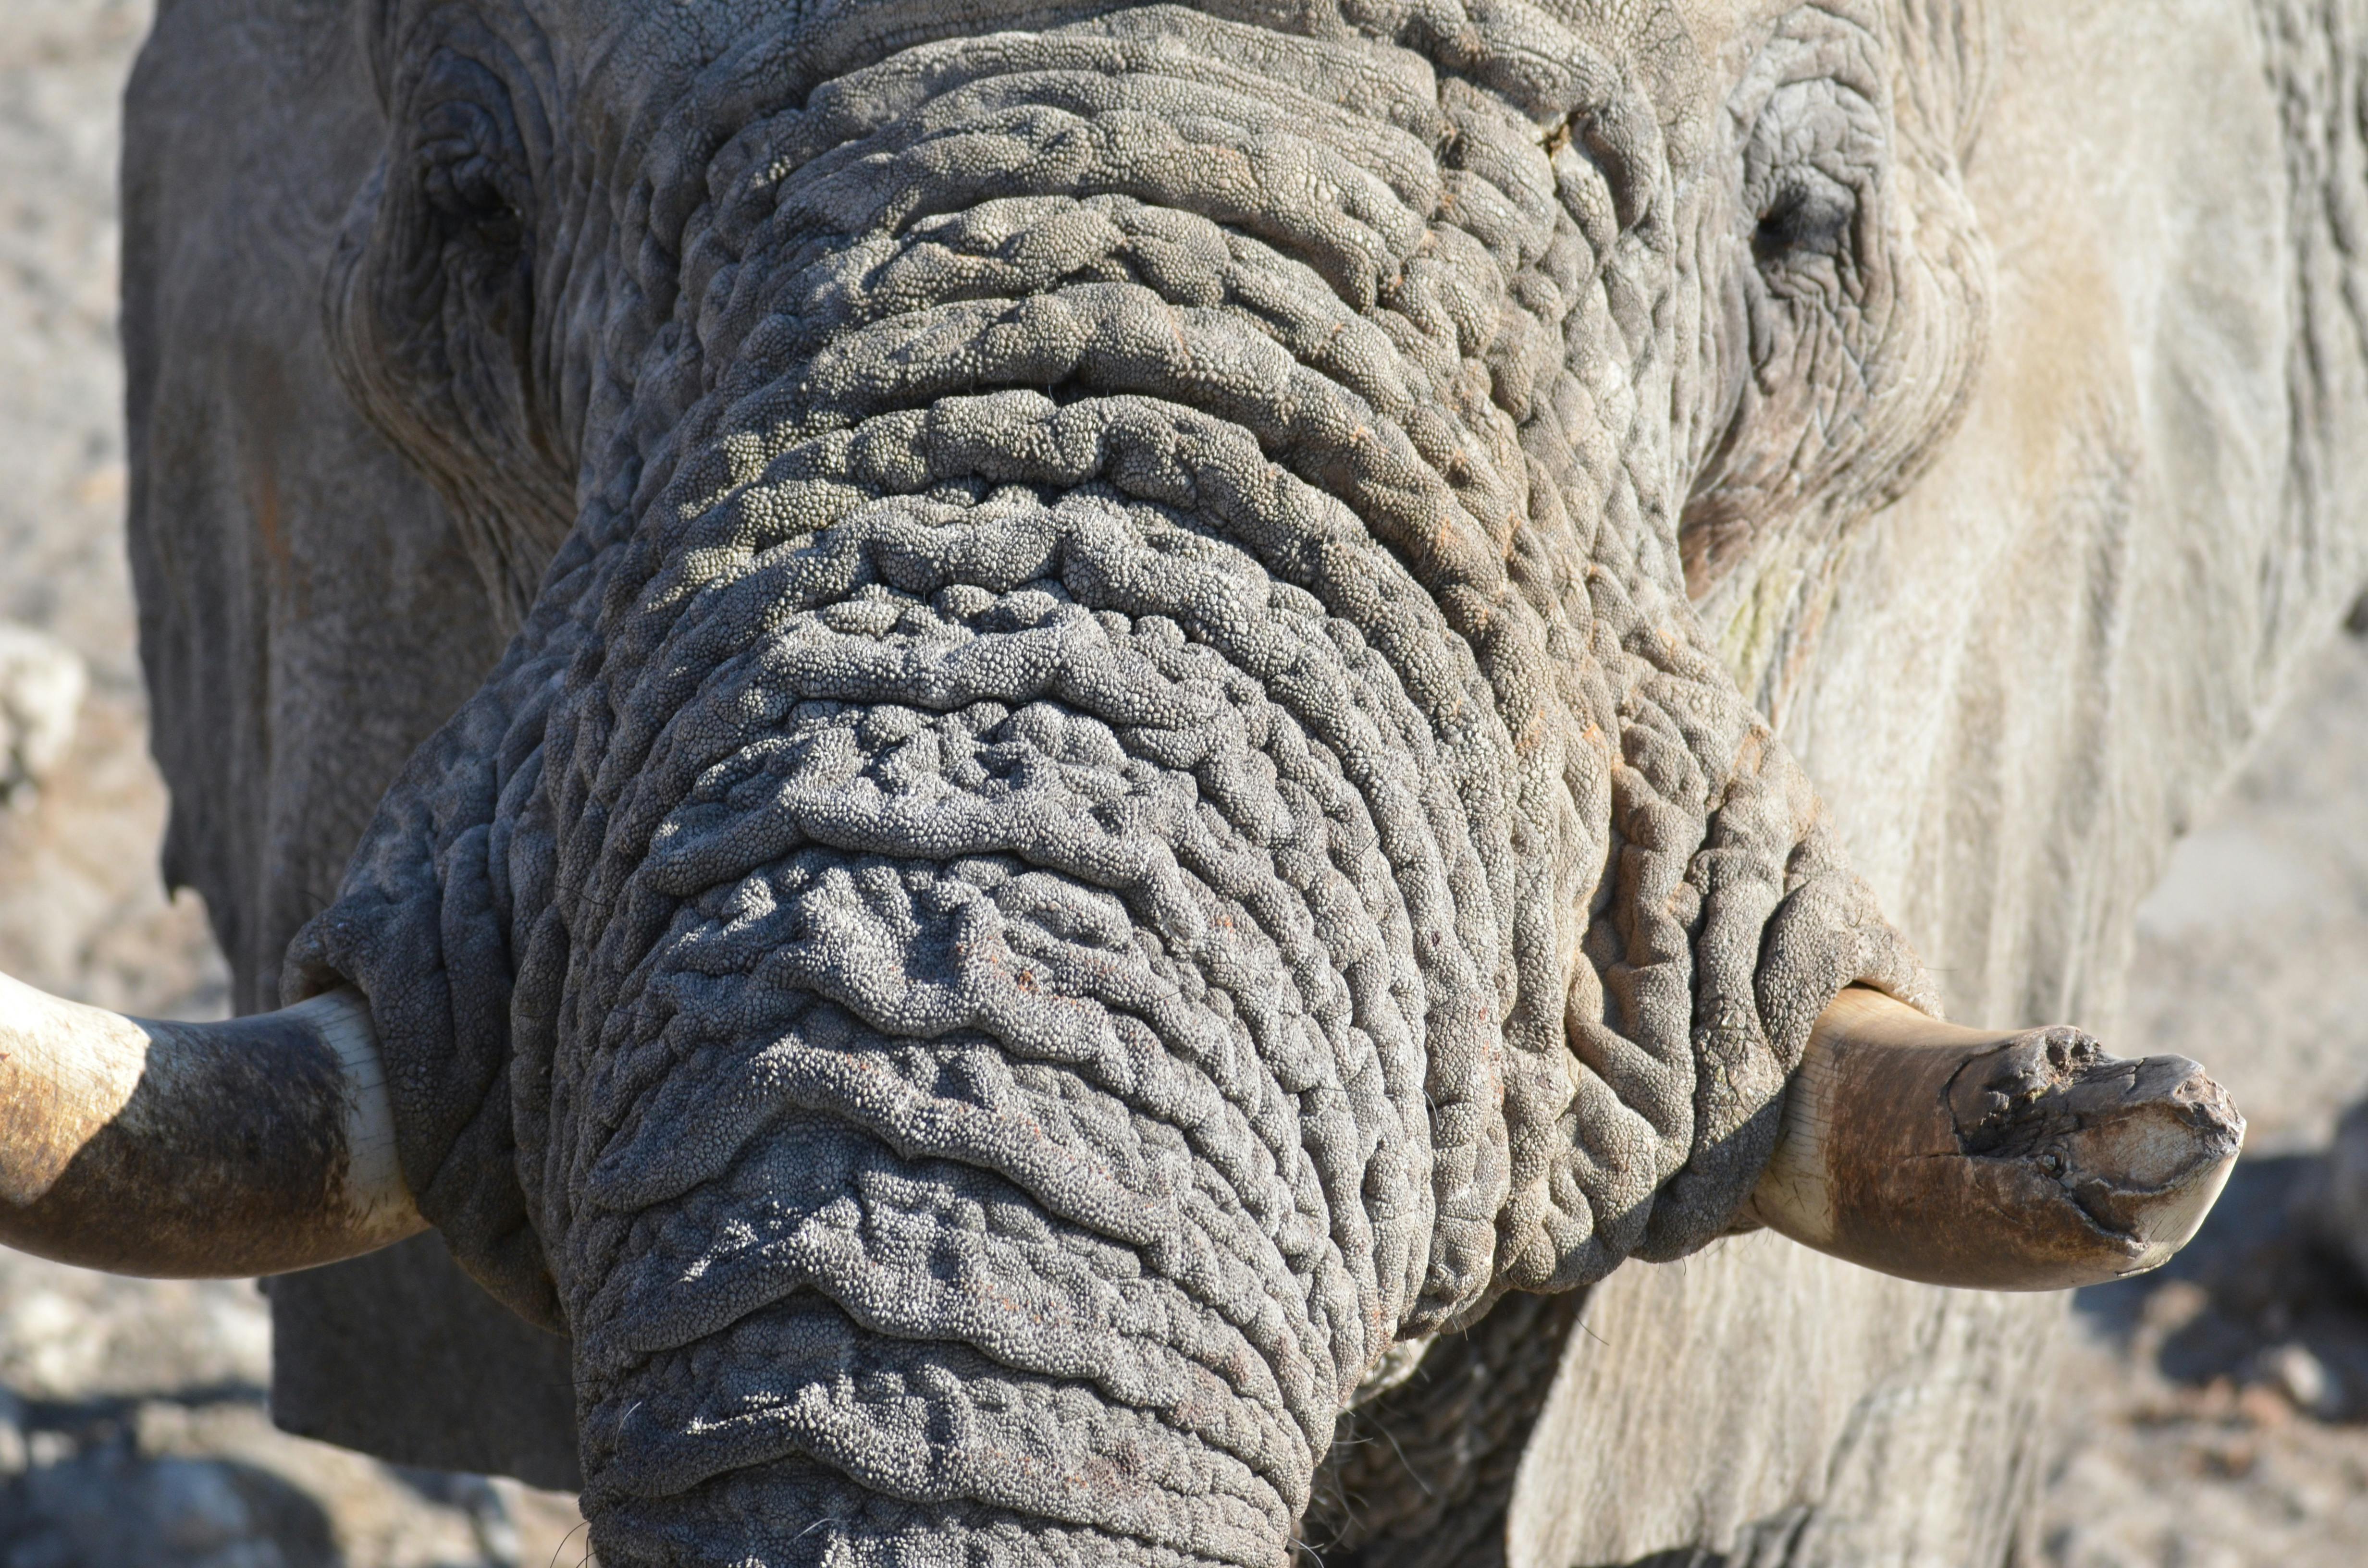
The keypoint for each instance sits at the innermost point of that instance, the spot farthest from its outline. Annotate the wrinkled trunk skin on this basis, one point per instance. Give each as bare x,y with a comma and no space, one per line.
1112,805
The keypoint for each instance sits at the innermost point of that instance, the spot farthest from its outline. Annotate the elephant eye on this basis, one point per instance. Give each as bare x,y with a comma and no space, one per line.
470,166
460,180
1811,159
1808,216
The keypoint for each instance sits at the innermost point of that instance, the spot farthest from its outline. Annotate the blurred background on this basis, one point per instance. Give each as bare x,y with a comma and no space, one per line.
2215,1414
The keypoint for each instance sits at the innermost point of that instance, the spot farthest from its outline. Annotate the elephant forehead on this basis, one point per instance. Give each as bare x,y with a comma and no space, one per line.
635,60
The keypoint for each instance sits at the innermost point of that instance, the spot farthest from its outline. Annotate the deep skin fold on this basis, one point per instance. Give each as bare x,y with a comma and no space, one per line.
1111,804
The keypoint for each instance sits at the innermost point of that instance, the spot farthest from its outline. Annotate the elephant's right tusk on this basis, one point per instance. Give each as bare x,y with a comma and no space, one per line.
2023,1161
254,1146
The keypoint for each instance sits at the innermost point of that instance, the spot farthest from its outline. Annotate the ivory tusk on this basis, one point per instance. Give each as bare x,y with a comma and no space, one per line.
254,1146
2022,1161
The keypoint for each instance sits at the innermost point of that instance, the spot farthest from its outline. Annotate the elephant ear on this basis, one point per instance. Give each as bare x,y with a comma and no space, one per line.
1856,304
307,615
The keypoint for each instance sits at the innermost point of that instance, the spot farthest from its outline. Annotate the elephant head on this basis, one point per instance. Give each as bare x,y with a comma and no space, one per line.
1107,805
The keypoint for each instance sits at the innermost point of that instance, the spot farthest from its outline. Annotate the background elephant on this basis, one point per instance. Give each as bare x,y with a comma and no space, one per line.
2011,692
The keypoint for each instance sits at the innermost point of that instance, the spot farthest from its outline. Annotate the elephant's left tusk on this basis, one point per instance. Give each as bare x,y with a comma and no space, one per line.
2024,1161
255,1146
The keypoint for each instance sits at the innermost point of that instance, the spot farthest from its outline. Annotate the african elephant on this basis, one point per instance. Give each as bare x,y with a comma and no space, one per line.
1060,753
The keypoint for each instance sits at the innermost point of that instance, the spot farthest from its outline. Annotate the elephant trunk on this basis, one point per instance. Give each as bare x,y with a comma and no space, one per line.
1018,1131
1027,1032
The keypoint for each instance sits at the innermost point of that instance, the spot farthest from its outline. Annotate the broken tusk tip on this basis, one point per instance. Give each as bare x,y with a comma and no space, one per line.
2019,1161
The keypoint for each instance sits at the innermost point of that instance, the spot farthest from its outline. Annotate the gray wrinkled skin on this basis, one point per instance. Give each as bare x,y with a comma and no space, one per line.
1111,801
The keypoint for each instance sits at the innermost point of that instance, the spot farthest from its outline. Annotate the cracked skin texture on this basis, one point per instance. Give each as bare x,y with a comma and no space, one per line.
1111,803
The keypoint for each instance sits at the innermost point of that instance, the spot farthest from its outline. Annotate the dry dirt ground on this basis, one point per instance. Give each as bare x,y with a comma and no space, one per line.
2210,1417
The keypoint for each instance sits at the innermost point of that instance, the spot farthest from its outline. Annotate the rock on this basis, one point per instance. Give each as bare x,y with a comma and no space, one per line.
42,687
68,1335
196,1509
2295,1372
